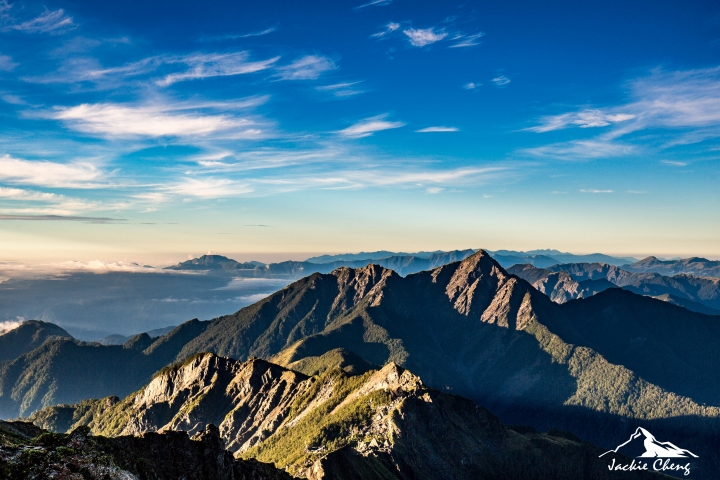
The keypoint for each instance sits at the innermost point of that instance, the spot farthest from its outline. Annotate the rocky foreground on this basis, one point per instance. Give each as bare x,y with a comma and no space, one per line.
28,452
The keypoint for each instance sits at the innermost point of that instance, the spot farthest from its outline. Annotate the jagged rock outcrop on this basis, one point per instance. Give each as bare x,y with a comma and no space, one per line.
381,424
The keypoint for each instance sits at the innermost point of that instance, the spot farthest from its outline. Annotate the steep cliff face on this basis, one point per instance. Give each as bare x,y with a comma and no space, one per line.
381,424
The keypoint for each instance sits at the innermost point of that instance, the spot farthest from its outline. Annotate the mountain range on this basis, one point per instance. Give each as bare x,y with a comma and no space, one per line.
691,266
592,366
565,282
127,299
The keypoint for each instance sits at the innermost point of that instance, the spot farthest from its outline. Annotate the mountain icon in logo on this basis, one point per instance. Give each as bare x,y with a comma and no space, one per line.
642,444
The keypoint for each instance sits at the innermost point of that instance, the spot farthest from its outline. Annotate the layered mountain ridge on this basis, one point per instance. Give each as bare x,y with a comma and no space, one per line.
564,282
593,366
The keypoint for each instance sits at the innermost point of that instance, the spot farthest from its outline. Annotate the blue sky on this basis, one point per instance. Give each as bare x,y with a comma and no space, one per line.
156,130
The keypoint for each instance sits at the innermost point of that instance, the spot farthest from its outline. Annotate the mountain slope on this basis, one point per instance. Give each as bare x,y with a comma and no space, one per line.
27,452
28,336
381,424
64,370
471,328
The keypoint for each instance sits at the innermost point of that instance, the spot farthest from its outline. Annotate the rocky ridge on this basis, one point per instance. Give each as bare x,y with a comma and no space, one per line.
382,424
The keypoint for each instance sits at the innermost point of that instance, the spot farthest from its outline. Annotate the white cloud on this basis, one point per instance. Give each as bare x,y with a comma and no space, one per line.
466,40
340,90
592,190
207,188
49,174
389,28
374,3
53,22
683,100
155,120
583,119
216,65
242,35
582,150
369,126
9,325
180,67
471,86
501,80
420,37
308,67
12,99
6,63
674,163
437,129
434,190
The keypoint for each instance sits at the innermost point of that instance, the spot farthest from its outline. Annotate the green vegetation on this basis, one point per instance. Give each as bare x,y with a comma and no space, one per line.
322,429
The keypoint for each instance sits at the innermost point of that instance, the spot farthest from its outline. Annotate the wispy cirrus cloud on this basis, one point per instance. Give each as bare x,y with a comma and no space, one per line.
374,3
421,37
684,104
399,177
171,69
309,67
389,28
674,163
54,22
207,188
341,90
24,201
216,65
582,150
466,40
260,33
437,129
368,126
500,81
589,118
49,174
594,190
687,102
6,63
158,120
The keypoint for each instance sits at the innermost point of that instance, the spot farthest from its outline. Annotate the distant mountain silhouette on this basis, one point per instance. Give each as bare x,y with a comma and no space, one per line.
564,282
121,339
642,444
692,266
